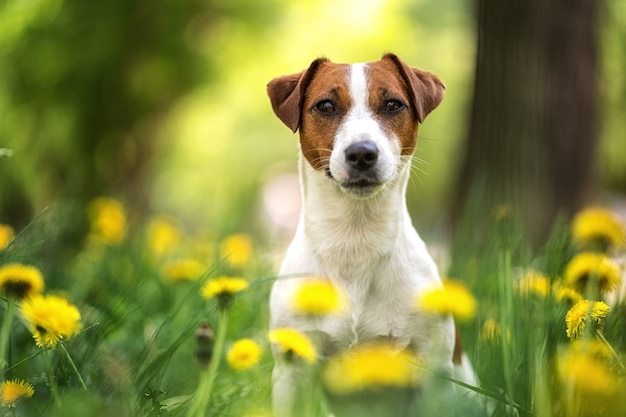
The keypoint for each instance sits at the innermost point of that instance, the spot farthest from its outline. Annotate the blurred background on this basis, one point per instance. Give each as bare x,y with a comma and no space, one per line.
162,105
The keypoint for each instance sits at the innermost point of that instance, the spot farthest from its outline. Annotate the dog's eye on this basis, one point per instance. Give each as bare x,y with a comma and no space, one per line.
325,106
392,106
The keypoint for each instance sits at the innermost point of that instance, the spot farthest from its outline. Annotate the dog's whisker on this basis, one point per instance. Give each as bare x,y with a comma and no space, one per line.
429,138
416,176
417,164
417,160
322,159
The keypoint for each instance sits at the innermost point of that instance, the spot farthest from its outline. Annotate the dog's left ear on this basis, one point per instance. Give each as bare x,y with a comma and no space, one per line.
426,89
287,93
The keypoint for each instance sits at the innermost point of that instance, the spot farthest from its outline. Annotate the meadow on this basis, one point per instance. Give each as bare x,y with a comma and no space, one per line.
151,318
152,300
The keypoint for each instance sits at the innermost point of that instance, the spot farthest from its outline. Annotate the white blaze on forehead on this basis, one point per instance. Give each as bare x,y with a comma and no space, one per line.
360,123
358,90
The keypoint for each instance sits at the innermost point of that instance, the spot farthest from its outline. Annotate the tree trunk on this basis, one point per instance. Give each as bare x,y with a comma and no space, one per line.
531,147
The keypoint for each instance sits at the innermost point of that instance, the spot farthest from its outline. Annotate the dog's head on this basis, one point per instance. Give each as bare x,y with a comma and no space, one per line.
358,122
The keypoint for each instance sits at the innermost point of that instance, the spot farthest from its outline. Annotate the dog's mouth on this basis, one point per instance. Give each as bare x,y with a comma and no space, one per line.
362,183
361,186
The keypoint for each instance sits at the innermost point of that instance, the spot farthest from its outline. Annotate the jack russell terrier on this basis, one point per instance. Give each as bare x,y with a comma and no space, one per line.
358,130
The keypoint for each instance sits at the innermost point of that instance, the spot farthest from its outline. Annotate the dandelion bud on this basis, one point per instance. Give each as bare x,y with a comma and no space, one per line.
205,339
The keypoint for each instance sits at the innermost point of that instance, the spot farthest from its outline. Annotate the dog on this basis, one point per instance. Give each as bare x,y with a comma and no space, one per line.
358,128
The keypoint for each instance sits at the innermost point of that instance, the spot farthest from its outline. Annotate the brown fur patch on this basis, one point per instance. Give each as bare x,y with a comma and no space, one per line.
318,129
385,83
457,354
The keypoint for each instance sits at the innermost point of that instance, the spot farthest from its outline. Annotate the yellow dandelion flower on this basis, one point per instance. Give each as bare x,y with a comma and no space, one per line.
184,270
293,344
577,317
14,390
244,354
587,375
50,319
20,281
534,282
163,235
108,221
596,225
237,249
370,366
317,297
562,293
453,298
599,311
596,267
6,235
223,286
224,289
594,348
492,331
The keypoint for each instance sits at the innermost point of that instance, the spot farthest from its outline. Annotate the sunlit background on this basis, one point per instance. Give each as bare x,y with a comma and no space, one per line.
224,137
163,104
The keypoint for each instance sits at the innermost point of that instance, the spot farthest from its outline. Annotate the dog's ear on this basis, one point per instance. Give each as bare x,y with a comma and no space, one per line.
287,94
426,88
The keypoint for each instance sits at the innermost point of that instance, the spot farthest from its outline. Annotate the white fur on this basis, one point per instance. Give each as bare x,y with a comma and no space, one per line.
358,124
368,247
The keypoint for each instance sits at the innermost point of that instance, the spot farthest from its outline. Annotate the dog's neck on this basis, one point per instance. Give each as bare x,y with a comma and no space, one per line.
338,224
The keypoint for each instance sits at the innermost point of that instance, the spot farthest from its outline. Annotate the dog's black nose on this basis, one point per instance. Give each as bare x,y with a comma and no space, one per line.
362,155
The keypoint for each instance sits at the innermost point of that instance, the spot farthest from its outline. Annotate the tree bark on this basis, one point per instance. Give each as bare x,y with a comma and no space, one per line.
531,145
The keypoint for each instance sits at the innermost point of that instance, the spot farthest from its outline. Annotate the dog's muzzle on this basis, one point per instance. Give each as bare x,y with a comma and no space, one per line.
361,167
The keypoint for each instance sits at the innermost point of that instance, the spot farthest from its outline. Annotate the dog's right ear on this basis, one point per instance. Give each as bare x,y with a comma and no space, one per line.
287,94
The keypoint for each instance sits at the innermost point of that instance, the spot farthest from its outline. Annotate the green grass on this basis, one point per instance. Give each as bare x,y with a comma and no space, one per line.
136,352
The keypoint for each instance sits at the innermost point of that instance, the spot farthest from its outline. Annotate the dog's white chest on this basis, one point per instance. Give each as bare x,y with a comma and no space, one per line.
378,277
369,315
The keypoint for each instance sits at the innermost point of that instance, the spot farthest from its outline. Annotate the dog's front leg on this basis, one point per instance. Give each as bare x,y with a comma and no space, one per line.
293,389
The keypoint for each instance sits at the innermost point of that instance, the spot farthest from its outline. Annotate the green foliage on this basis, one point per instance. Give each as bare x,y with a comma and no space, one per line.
87,86
135,351
613,93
